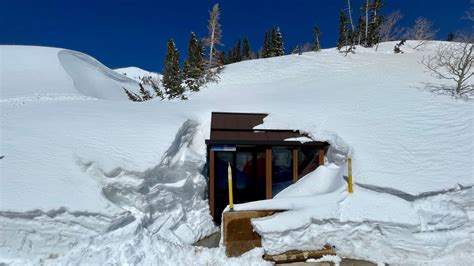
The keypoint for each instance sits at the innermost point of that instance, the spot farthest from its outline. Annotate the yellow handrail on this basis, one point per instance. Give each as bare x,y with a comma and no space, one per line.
349,178
231,196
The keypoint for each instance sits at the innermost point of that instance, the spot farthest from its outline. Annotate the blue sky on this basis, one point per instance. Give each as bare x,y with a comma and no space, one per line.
134,33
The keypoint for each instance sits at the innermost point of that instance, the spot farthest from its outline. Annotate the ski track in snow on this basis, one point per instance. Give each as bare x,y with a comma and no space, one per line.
80,183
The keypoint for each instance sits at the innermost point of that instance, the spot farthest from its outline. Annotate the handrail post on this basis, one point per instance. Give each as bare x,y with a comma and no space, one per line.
231,196
349,178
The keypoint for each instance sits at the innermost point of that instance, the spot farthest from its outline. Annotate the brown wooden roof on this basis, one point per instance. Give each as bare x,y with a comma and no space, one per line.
237,129
236,121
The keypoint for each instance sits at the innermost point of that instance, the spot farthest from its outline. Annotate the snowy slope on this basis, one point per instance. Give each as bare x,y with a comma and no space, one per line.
128,173
41,71
136,73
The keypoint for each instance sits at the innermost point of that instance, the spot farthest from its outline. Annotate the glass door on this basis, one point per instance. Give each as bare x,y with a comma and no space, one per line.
249,176
221,189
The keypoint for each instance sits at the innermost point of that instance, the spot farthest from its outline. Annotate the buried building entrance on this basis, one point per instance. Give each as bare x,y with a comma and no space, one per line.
264,162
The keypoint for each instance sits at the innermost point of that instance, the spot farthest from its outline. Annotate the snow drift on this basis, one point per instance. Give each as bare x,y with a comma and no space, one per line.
86,179
136,73
36,71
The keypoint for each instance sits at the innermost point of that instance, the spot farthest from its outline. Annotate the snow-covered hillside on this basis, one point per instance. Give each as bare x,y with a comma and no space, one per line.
136,73
122,181
51,72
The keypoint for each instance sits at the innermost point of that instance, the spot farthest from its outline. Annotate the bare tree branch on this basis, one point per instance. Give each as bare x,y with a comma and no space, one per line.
421,31
387,30
453,62
215,34
469,15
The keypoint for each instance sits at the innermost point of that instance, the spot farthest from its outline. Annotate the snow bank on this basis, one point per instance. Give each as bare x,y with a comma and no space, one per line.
85,179
448,242
324,179
36,71
366,224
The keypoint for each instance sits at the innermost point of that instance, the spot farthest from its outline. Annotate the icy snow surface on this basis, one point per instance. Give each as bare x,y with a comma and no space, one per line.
88,179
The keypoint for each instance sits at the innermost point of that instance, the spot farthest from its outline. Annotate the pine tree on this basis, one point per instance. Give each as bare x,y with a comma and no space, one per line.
149,80
316,41
132,96
343,32
266,49
296,50
450,37
230,56
397,48
222,59
172,76
246,52
277,48
194,66
272,42
360,31
366,9
157,89
237,52
145,93
376,20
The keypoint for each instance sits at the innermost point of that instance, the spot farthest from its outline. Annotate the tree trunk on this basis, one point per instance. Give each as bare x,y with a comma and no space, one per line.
211,47
350,14
318,47
458,87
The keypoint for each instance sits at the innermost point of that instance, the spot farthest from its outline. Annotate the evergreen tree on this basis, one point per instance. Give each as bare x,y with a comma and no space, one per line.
155,87
296,50
194,66
172,76
230,56
272,42
132,96
397,48
450,37
237,52
376,20
246,52
316,41
222,59
145,93
277,48
360,31
266,49
343,32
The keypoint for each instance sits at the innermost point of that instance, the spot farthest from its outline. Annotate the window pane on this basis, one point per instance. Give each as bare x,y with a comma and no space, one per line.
244,170
307,160
222,160
282,168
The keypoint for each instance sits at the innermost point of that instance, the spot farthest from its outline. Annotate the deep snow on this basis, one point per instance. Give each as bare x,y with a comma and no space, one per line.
136,73
86,178
37,71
